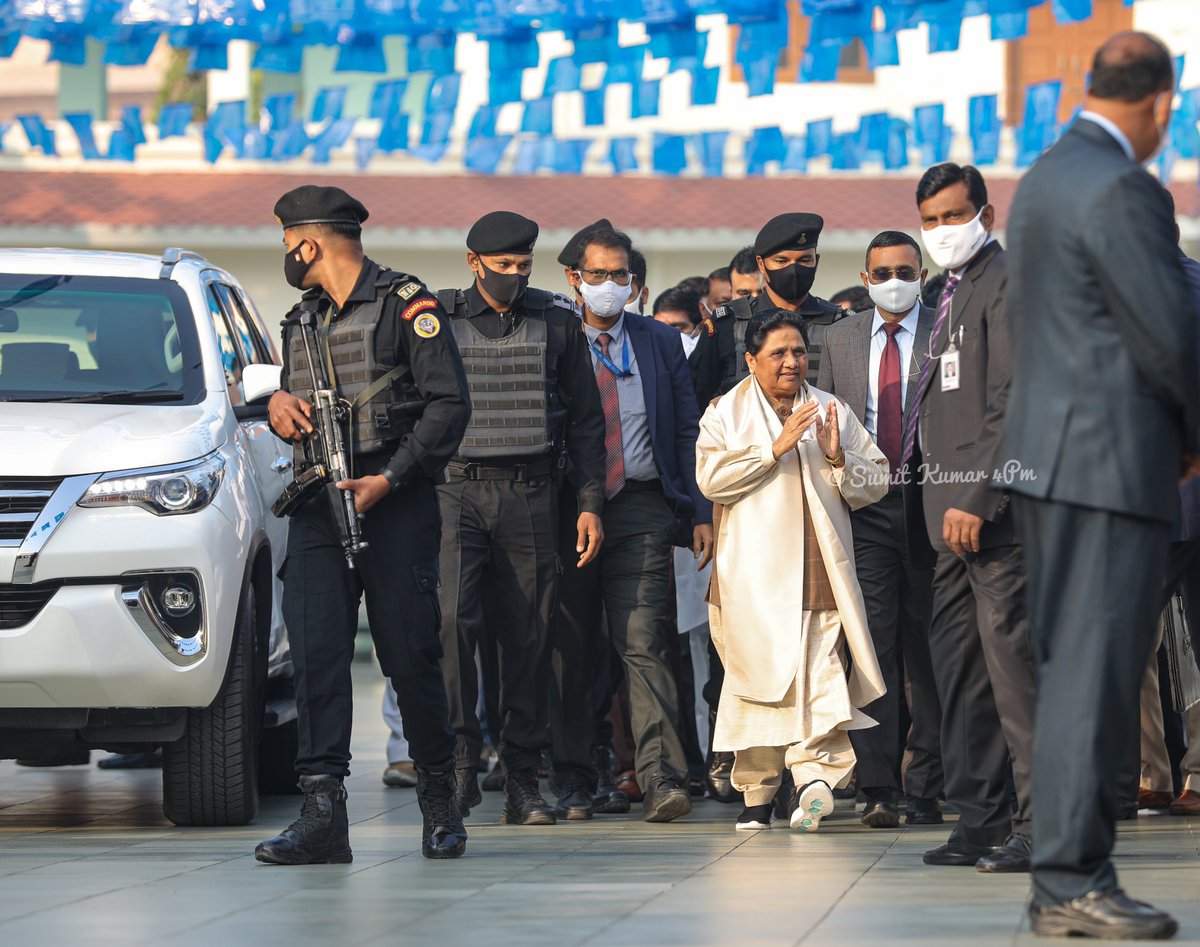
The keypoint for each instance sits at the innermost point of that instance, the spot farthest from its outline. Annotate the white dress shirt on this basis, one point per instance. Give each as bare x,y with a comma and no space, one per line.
1113,130
905,339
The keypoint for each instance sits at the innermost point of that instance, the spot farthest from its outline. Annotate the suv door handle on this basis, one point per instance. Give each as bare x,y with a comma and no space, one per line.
281,464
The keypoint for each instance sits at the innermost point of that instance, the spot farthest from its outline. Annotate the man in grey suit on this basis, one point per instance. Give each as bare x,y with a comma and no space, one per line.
872,362
1103,421
979,636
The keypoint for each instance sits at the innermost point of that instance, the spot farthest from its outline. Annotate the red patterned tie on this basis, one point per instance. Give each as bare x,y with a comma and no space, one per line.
606,381
888,417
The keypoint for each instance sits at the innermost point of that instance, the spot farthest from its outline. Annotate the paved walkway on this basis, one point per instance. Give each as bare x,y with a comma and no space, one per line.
86,858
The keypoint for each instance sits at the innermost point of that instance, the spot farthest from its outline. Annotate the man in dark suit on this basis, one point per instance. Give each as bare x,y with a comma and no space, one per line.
872,362
786,253
979,637
1102,420
650,486
681,308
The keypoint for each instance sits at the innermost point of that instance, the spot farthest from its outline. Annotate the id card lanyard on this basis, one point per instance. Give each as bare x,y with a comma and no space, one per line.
608,363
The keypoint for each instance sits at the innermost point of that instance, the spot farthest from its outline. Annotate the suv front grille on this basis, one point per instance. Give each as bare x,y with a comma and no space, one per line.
20,604
21,500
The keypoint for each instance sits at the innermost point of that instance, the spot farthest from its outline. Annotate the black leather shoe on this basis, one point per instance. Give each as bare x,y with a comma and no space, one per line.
720,779
523,804
1107,915
608,799
957,852
880,814
665,801
443,834
574,798
466,789
1010,858
923,811
321,836
494,780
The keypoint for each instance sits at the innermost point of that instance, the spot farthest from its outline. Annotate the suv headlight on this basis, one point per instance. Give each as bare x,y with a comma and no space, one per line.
164,491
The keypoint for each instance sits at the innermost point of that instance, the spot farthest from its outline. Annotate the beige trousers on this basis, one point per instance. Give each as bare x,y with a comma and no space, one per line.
757,771
1156,765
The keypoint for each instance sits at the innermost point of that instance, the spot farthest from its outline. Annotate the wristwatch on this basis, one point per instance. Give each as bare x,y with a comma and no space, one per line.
391,478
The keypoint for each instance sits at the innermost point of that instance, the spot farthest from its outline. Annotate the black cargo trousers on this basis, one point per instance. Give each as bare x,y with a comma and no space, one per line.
398,573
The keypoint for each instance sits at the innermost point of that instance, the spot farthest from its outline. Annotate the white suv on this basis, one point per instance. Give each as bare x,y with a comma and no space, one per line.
139,599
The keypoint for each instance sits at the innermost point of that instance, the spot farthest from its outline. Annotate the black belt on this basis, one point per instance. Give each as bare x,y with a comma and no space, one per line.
642,486
516,473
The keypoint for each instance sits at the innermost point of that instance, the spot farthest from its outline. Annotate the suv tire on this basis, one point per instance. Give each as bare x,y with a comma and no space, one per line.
210,775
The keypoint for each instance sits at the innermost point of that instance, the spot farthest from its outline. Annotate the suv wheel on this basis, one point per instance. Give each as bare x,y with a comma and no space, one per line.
210,775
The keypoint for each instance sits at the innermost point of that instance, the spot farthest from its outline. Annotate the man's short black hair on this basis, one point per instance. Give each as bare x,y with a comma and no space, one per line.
698,284
1131,66
893,238
637,265
857,296
942,176
719,275
766,321
349,231
679,299
745,261
611,240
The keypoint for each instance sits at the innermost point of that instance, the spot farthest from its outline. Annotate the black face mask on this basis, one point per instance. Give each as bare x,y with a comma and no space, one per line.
294,267
505,288
792,282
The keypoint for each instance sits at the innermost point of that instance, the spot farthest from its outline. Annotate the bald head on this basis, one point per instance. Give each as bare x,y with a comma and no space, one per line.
1131,66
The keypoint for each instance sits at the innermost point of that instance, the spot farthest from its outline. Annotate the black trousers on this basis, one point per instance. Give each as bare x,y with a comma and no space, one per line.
1095,586
398,573
986,679
498,568
899,600
623,597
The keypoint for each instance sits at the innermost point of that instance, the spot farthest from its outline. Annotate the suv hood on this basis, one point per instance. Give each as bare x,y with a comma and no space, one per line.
44,440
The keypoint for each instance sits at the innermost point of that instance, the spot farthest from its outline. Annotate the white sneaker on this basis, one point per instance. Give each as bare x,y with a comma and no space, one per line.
813,802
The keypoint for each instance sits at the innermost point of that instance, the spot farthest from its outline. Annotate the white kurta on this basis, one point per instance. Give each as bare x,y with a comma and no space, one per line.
771,687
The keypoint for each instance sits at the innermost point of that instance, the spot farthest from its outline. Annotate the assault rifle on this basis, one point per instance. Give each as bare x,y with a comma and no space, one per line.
327,461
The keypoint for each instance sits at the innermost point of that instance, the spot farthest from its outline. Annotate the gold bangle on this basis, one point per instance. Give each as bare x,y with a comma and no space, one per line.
838,461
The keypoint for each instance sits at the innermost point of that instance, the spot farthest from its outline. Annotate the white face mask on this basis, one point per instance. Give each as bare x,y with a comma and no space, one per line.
953,245
606,300
896,295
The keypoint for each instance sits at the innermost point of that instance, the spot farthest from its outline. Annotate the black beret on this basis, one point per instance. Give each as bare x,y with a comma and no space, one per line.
570,253
502,231
310,204
789,232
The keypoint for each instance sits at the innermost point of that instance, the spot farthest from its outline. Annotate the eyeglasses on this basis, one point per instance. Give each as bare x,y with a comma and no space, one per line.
881,274
596,277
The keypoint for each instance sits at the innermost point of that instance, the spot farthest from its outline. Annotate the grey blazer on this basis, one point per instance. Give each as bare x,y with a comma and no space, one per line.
846,363
960,429
1105,395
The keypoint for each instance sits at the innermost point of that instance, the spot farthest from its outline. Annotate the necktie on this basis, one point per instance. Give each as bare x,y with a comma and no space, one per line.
939,323
888,411
606,381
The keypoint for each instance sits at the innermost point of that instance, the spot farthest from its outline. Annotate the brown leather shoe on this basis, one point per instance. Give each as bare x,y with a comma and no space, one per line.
1188,803
627,783
1153,800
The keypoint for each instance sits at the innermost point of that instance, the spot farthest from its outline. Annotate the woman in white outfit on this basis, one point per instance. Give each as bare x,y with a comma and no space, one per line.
786,463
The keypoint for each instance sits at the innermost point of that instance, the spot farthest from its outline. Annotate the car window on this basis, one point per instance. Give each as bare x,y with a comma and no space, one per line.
239,321
96,338
262,338
230,358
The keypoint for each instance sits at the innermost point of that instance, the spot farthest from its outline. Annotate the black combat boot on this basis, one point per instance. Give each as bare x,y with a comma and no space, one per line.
443,834
523,804
720,778
466,789
321,835
608,798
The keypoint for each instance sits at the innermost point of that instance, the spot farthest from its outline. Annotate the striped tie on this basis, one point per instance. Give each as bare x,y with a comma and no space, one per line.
939,323
606,381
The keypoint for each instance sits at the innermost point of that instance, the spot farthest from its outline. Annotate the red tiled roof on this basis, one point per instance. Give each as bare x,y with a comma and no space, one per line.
245,200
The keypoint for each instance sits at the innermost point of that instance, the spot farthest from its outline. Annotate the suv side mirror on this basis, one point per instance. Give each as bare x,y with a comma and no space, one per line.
259,382
8,321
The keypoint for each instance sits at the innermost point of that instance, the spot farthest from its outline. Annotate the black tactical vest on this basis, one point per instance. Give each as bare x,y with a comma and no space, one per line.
516,410
347,348
823,315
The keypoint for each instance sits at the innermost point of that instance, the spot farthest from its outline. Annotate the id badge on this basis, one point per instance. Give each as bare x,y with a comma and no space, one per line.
949,369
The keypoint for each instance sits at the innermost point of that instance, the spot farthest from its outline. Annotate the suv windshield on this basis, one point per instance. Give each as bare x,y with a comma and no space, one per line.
97,339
